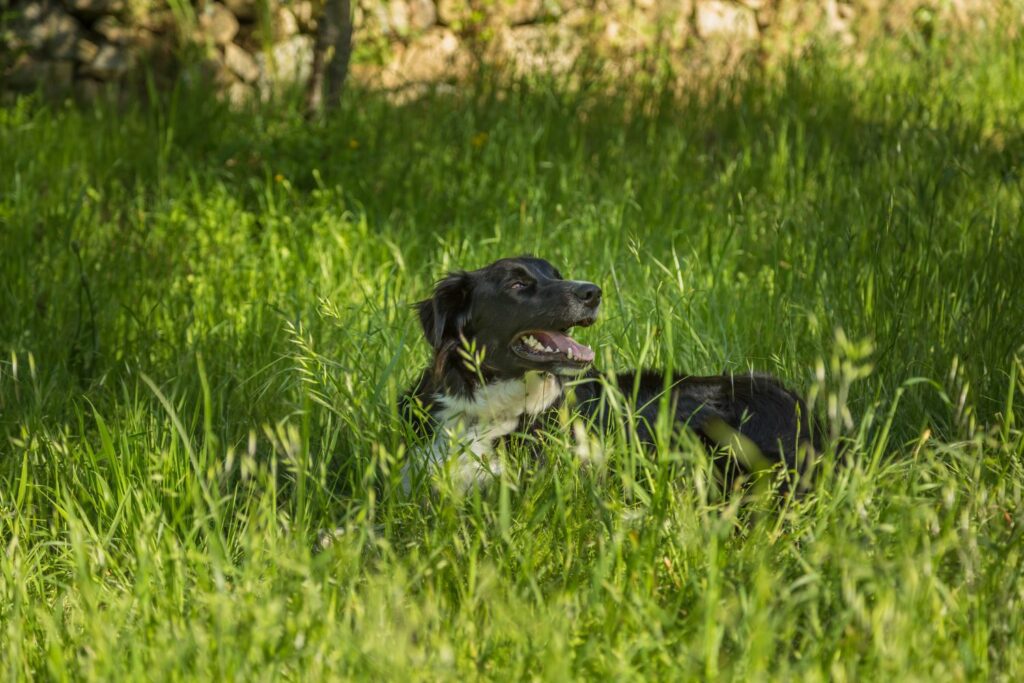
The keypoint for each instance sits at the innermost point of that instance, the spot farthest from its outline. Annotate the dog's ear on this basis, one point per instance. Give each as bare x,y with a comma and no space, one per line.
445,314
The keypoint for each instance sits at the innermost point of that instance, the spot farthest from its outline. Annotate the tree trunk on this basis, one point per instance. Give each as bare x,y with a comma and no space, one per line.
330,56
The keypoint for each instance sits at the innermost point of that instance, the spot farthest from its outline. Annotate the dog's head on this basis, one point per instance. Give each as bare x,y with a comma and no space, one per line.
518,311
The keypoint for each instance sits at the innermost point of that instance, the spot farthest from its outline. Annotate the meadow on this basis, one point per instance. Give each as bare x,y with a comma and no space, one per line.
205,327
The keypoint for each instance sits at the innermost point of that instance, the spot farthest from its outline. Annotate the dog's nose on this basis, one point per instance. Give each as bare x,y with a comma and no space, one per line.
588,293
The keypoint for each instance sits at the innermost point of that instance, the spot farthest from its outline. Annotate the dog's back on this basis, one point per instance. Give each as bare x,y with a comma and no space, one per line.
723,410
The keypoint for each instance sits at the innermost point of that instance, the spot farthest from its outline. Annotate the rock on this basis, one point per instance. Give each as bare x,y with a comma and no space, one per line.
63,45
147,41
672,26
86,50
28,73
422,14
94,8
88,88
397,17
158,21
521,11
113,30
239,94
285,24
719,19
979,13
838,21
454,13
790,25
403,17
11,43
218,23
62,73
621,37
241,63
246,10
433,57
111,62
47,28
548,48
290,61
24,73
458,13
213,70
305,15
578,18
35,11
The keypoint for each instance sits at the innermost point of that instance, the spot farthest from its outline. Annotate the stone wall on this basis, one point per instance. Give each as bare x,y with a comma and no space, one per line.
250,47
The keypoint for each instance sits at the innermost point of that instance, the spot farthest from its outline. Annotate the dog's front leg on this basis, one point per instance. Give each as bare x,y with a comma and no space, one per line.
471,470
464,458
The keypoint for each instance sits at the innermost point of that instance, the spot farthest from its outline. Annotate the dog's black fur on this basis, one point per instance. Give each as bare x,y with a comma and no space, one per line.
492,309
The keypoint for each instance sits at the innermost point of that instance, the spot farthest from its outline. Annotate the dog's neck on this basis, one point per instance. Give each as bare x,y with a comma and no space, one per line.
502,400
452,377
469,425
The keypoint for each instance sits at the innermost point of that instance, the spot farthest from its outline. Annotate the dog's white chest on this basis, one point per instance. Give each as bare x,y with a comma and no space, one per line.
470,427
504,400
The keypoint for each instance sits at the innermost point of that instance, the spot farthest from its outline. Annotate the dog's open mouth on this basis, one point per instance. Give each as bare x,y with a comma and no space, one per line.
551,346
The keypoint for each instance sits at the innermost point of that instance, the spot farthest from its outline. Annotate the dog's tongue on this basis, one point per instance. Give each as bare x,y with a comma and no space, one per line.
563,342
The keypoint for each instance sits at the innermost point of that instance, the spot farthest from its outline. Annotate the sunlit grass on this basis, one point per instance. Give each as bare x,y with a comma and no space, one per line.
204,329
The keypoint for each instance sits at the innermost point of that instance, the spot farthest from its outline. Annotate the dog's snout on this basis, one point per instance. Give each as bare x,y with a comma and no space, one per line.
588,293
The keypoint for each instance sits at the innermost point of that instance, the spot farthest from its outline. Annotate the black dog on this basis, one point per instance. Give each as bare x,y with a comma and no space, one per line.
503,358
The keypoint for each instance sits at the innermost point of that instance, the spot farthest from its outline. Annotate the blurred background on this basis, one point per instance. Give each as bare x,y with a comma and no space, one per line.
252,48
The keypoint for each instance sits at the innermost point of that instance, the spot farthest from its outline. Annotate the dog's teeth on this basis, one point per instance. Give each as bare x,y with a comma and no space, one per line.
569,354
532,342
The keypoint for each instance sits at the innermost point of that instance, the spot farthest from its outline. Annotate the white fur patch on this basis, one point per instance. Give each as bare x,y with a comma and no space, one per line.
470,427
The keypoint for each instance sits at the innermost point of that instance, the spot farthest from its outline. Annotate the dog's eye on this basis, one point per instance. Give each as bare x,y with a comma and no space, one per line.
518,284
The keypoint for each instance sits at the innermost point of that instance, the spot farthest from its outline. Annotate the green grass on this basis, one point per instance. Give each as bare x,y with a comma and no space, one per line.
204,327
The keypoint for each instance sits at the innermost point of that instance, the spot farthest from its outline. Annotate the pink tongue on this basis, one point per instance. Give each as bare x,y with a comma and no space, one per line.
562,342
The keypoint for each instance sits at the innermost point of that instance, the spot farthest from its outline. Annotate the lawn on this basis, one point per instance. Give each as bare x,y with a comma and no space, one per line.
205,327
